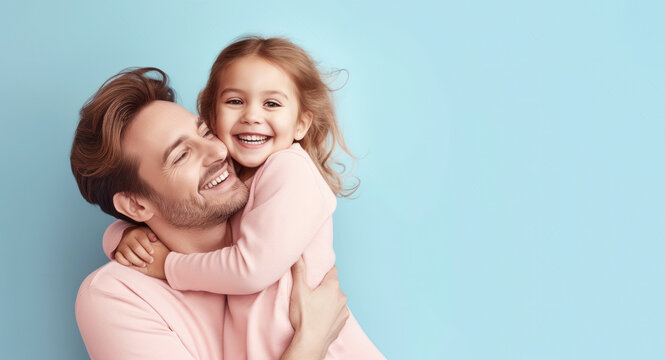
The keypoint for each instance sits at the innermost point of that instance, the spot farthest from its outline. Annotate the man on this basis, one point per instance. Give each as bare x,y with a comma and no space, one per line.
147,160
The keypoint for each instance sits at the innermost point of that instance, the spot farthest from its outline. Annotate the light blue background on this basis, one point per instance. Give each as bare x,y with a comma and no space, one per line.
511,158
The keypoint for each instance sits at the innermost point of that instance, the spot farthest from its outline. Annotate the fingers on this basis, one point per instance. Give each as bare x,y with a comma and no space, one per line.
157,244
141,252
152,237
340,318
131,257
121,259
146,244
299,273
342,299
140,269
345,313
339,323
330,282
331,275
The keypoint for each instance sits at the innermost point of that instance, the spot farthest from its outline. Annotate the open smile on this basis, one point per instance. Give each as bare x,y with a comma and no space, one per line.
217,179
252,140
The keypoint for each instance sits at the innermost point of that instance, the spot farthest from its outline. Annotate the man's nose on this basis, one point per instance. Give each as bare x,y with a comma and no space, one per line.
214,151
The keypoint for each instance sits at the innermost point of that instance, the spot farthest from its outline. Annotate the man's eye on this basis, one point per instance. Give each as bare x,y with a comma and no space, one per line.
272,104
181,157
234,102
204,130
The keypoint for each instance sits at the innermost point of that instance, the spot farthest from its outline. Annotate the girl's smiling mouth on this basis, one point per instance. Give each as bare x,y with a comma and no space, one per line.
252,140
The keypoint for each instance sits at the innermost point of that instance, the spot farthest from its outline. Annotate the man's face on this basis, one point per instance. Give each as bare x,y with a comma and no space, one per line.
193,181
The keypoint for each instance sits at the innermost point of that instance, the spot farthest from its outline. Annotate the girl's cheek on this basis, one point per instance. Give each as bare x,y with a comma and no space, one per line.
223,132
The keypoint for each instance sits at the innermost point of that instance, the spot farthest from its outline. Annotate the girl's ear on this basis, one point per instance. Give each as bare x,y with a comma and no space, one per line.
132,206
304,122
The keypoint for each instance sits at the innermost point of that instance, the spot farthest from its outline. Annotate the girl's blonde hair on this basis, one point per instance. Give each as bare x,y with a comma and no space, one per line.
313,94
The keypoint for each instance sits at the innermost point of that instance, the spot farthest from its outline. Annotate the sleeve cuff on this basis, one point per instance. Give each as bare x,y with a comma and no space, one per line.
113,235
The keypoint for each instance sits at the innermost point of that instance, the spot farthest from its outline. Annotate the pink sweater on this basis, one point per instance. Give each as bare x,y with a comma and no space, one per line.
125,315
288,214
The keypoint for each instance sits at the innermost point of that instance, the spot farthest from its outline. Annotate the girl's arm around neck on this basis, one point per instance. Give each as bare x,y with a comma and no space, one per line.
291,203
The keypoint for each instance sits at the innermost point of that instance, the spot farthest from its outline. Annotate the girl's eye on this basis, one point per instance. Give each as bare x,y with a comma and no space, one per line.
234,102
181,157
207,133
272,104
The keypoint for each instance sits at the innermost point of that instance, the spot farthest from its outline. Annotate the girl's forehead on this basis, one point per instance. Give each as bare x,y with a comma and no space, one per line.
252,72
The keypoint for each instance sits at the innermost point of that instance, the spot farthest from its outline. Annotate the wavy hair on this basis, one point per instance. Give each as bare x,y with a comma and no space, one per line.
99,166
314,96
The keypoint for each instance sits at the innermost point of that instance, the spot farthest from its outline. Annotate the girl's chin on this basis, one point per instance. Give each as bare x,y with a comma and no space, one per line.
249,163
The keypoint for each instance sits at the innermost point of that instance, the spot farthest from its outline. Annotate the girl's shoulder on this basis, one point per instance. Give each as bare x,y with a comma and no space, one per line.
295,155
293,165
292,169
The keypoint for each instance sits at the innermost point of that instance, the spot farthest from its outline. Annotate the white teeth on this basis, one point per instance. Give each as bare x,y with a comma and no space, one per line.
217,180
253,139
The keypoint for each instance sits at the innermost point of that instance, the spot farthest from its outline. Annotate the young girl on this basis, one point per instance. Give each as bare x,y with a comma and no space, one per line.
266,101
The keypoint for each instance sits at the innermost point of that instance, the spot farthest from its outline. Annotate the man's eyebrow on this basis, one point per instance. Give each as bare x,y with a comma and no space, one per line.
171,147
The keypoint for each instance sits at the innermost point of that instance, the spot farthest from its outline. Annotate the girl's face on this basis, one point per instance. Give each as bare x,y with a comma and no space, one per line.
257,110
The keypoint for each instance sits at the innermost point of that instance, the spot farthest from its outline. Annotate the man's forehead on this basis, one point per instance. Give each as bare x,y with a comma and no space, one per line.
156,127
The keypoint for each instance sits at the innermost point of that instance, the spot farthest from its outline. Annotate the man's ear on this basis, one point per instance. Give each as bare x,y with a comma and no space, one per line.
132,206
304,122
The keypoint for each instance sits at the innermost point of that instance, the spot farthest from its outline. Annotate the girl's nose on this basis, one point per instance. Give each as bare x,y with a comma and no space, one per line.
252,116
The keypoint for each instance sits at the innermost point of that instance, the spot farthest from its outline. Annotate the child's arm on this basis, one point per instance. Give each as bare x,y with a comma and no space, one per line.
129,244
291,203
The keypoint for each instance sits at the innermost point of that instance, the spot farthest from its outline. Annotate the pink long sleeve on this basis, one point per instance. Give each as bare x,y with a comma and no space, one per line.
113,235
290,204
132,331
123,314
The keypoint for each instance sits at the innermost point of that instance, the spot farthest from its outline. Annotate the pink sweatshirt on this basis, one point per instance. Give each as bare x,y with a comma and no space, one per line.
125,315
288,214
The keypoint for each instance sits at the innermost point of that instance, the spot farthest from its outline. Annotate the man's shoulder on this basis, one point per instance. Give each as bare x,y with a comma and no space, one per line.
114,290
108,277
119,281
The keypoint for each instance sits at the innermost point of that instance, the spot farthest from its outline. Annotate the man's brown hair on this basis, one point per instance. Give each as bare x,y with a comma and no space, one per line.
98,163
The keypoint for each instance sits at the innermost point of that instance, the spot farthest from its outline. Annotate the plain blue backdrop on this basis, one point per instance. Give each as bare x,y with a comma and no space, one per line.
511,159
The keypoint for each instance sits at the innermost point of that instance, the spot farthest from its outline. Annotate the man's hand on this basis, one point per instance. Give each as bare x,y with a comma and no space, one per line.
156,268
317,315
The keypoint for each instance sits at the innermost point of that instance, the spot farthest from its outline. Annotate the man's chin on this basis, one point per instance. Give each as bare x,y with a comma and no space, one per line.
211,209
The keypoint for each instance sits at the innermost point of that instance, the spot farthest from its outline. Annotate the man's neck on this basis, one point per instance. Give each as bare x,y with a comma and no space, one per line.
189,241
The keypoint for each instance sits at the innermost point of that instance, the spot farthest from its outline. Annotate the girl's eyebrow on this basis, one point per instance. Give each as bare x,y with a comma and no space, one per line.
231,90
267,92
275,92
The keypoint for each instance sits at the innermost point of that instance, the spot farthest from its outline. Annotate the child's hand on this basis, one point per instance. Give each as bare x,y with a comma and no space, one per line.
156,268
135,247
